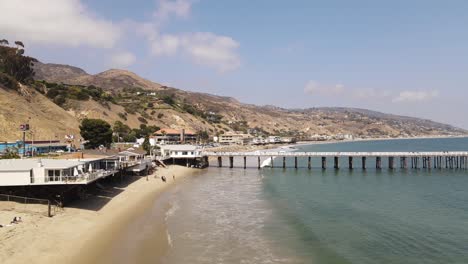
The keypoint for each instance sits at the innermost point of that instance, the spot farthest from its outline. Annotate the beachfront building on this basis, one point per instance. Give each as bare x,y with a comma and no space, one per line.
274,139
179,151
23,172
174,136
234,138
188,155
134,160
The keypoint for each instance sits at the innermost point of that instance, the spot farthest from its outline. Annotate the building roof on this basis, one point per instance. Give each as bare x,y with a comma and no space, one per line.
133,151
173,131
179,147
28,164
48,144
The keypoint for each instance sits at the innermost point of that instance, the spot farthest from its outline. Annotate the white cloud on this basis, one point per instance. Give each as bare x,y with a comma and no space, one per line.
122,59
60,22
204,48
313,87
165,45
167,8
415,96
209,49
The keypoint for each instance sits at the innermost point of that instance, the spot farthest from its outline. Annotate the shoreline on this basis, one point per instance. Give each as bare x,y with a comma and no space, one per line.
79,233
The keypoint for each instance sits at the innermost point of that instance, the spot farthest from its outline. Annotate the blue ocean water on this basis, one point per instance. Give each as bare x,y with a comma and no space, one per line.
323,216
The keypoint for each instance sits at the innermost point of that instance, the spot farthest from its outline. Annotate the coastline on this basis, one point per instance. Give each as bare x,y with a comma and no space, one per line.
85,231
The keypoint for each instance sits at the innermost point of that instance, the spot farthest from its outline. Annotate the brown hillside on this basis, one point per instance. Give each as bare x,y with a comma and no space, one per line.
48,121
235,115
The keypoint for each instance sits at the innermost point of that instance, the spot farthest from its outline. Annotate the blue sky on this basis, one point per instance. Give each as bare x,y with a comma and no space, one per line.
402,57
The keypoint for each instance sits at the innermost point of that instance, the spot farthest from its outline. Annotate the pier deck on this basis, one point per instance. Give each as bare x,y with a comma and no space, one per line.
425,159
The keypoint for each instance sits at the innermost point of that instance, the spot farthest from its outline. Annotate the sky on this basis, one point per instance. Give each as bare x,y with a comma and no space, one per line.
407,57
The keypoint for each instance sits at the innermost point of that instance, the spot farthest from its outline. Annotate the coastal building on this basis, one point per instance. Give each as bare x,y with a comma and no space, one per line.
273,139
174,136
234,138
188,155
134,160
23,172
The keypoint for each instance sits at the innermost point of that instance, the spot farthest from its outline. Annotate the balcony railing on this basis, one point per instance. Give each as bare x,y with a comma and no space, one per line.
81,178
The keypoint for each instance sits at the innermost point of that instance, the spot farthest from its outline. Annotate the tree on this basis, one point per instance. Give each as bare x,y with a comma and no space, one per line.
14,63
203,136
10,153
146,145
19,44
97,132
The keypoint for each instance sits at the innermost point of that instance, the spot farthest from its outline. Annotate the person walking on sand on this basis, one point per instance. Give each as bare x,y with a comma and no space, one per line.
163,178
173,177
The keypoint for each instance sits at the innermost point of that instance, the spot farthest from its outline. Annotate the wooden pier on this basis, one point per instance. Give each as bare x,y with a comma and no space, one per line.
417,160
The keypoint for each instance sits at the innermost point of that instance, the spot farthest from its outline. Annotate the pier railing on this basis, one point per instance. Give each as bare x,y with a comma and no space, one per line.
424,159
335,154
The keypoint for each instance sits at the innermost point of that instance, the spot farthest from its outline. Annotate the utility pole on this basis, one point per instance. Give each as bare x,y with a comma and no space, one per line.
24,128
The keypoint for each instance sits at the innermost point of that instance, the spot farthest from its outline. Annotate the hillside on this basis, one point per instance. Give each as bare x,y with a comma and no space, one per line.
47,120
135,100
62,95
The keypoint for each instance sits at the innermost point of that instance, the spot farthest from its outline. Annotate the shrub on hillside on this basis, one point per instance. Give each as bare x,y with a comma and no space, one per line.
122,115
142,120
8,82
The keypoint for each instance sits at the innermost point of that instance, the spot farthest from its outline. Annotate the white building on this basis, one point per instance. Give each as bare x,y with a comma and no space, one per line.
20,172
233,138
274,139
134,160
180,151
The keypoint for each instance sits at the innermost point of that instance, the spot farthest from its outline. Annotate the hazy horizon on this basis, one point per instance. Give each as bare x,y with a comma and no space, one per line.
398,57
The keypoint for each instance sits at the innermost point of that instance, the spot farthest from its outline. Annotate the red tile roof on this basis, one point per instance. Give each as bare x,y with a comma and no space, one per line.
170,131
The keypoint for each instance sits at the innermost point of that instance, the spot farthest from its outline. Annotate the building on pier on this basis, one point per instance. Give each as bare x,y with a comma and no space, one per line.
23,172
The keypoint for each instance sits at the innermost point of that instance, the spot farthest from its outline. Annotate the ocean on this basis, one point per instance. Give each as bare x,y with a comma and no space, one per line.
277,215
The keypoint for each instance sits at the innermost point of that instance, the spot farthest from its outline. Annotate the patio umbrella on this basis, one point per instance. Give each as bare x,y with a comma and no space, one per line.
75,172
90,168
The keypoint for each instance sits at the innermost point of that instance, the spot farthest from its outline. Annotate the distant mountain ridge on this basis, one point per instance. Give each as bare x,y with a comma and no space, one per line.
218,114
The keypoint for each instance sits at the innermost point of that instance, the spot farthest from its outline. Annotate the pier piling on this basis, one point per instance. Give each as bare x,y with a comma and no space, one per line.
391,164
457,160
378,163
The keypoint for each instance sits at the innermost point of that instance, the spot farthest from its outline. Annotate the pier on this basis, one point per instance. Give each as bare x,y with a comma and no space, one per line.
407,160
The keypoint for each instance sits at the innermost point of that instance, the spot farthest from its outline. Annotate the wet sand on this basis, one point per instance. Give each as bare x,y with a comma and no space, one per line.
85,231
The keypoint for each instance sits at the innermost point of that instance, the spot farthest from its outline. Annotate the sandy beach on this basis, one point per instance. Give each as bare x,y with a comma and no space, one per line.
81,232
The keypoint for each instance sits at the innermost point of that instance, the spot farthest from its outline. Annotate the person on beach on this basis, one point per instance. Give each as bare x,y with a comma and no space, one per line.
173,177
163,178
14,221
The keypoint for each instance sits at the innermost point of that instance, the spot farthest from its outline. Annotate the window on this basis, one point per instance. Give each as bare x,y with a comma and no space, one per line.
53,175
184,153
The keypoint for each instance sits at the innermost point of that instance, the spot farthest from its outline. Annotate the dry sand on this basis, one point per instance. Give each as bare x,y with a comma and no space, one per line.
82,232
